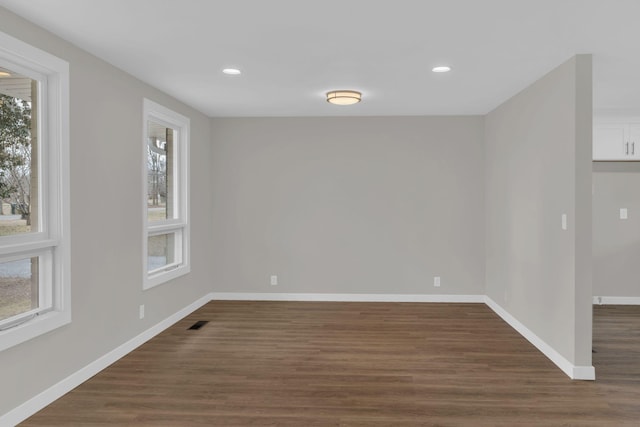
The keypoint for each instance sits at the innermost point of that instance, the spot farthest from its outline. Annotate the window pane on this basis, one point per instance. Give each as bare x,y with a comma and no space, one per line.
161,251
160,179
18,287
18,153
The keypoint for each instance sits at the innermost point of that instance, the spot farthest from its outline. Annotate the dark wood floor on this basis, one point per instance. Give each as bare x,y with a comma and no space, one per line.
357,364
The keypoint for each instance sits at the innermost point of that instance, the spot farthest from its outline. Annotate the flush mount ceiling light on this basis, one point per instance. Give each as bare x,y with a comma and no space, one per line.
232,71
441,69
344,97
4,73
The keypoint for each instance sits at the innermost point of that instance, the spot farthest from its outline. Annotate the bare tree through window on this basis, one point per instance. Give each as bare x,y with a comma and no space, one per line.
18,189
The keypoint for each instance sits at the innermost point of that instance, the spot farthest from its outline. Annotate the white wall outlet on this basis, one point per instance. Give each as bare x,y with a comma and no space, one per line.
563,221
624,214
141,312
436,281
274,280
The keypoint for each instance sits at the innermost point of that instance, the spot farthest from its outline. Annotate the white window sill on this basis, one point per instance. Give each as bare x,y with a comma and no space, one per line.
164,276
41,324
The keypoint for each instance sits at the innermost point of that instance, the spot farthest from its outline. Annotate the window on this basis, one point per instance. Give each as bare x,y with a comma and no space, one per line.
165,154
34,196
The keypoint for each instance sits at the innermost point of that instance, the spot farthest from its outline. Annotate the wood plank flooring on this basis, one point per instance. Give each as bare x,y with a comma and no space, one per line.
357,364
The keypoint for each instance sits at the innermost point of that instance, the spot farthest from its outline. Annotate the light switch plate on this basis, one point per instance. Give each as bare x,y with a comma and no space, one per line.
623,213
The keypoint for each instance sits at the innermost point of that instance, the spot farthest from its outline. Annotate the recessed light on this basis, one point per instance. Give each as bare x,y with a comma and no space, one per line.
5,73
232,71
344,97
441,69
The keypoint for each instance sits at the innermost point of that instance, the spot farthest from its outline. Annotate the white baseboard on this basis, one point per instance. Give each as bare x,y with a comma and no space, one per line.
33,405
602,300
587,373
240,296
56,391
574,372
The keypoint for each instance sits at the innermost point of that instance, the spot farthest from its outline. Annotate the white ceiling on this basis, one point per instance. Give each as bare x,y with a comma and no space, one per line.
293,51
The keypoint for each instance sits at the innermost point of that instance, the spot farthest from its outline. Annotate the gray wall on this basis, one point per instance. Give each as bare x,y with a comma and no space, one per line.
330,205
106,222
349,205
538,166
616,247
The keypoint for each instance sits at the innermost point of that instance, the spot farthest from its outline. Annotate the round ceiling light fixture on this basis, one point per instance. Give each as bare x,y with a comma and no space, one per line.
232,71
344,97
4,73
441,69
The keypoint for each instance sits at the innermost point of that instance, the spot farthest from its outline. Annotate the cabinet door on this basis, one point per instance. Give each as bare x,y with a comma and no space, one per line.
634,142
610,143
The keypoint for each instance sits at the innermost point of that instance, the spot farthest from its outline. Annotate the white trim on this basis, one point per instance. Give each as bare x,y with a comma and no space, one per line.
587,373
26,248
45,298
30,56
574,372
54,183
33,405
602,300
169,118
615,116
242,296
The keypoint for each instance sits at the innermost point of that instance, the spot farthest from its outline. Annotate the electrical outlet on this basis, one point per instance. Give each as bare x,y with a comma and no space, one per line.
274,280
141,312
436,281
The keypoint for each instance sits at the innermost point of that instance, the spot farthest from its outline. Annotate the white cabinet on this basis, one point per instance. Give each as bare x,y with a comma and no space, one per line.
634,141
616,141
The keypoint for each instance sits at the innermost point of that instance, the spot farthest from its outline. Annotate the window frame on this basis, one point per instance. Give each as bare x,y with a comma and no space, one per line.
180,224
51,243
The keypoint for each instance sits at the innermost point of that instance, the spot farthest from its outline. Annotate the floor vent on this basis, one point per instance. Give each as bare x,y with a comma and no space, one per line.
199,324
